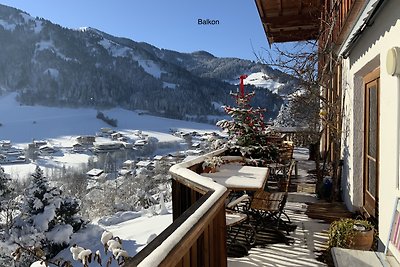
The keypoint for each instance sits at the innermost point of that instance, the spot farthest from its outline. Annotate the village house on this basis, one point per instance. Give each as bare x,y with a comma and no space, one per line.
95,173
78,147
140,143
37,143
5,145
128,164
147,164
86,139
116,135
46,149
107,146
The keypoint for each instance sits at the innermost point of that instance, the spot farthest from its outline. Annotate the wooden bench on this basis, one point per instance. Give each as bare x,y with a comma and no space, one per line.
391,257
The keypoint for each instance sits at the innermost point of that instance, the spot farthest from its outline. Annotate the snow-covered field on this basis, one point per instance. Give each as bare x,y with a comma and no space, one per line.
60,126
21,124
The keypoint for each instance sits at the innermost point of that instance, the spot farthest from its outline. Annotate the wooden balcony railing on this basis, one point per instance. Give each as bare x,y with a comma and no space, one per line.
197,236
340,15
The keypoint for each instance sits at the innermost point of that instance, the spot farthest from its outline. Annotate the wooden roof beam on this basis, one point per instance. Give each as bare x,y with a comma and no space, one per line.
293,35
283,21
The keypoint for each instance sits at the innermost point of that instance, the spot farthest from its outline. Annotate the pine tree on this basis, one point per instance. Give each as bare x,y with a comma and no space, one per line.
44,212
247,131
5,190
247,127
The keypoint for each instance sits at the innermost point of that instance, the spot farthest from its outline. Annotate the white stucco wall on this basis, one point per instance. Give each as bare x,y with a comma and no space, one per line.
368,54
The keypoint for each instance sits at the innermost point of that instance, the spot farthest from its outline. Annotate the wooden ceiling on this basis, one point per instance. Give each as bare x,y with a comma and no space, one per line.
290,20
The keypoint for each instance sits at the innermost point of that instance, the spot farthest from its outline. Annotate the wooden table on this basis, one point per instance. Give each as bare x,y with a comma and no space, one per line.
236,177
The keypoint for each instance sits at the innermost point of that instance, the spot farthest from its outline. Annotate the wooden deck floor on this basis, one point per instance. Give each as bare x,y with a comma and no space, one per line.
308,238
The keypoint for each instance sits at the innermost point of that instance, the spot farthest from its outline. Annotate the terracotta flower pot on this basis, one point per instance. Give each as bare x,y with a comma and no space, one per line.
362,240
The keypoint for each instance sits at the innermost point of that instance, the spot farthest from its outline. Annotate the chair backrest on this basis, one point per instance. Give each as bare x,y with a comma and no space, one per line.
286,151
267,201
288,175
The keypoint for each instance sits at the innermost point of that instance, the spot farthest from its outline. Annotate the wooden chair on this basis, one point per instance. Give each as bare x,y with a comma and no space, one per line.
238,221
285,157
267,209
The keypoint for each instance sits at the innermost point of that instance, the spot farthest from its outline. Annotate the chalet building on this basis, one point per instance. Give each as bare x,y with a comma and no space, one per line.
78,147
107,146
359,63
105,132
39,143
86,139
5,145
147,164
46,149
95,173
140,143
128,164
115,136
158,157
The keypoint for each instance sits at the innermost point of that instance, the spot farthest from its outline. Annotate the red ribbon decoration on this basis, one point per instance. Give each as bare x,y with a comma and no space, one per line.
242,77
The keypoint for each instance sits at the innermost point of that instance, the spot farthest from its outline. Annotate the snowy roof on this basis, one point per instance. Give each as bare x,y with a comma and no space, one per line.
94,172
158,157
140,142
129,161
144,163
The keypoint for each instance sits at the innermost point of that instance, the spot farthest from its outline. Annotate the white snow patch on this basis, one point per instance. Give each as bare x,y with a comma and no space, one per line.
218,106
119,217
39,26
54,73
26,17
114,49
42,220
49,45
83,29
260,79
39,264
7,26
151,68
169,85
60,234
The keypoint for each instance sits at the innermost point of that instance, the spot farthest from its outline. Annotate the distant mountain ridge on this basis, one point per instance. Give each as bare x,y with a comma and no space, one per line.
51,65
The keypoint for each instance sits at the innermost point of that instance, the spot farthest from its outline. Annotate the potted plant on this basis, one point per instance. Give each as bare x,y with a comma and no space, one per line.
211,164
351,233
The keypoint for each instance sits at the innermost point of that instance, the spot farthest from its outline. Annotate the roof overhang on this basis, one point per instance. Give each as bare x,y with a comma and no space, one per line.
290,20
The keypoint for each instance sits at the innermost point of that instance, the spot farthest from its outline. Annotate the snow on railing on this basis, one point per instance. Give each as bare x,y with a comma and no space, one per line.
198,228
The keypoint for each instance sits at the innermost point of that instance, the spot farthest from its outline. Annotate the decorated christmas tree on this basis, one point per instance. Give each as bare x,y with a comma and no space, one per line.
247,131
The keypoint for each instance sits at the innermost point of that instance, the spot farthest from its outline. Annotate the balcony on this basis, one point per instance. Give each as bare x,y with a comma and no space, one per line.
197,235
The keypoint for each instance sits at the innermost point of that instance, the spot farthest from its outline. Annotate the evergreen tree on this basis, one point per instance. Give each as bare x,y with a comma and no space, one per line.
46,215
5,190
247,131
247,127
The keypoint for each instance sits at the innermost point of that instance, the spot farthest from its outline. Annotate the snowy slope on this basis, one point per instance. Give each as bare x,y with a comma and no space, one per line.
133,232
21,124
260,79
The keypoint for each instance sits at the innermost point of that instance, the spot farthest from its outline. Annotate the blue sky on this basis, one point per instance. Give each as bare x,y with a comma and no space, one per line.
170,24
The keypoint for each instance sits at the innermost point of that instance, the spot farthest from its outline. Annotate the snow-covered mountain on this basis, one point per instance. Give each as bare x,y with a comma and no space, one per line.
51,65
